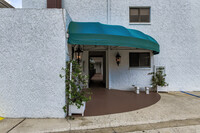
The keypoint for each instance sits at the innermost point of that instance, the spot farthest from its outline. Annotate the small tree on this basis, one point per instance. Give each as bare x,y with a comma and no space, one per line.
77,91
158,78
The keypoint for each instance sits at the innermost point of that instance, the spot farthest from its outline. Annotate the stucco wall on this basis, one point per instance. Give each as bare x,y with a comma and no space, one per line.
123,77
79,10
87,10
34,3
174,24
32,53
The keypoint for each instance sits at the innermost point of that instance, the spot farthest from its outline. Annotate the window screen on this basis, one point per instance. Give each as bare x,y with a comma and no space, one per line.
140,14
139,59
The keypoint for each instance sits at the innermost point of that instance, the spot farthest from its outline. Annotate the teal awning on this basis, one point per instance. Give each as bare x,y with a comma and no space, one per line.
94,33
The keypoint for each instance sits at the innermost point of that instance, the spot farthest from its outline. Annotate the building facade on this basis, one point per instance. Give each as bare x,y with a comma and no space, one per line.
174,24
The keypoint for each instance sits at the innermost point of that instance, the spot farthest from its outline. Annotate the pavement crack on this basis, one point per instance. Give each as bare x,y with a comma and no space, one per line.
16,125
70,125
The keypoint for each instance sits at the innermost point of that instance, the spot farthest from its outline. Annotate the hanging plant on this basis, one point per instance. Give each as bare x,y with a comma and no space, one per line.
77,91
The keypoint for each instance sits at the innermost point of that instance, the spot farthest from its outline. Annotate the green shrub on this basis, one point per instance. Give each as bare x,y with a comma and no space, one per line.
77,91
158,78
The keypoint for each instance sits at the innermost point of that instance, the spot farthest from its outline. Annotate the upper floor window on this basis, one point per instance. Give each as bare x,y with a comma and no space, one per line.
139,59
54,3
139,14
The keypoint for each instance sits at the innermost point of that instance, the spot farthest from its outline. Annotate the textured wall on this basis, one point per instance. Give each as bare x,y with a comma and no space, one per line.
174,24
87,10
34,3
122,77
79,10
32,53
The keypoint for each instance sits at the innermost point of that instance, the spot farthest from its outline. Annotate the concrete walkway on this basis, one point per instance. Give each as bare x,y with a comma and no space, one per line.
191,125
175,112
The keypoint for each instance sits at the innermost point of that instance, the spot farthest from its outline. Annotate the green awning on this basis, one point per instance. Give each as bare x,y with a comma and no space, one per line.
94,33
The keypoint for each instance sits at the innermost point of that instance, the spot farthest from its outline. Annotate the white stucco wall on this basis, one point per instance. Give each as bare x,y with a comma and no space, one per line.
87,10
32,53
79,10
174,24
34,3
123,77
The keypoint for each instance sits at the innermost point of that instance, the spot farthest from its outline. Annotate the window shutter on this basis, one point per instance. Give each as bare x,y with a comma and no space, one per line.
54,3
51,3
58,3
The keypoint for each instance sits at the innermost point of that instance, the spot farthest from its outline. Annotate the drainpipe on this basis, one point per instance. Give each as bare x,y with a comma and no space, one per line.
108,50
108,11
108,83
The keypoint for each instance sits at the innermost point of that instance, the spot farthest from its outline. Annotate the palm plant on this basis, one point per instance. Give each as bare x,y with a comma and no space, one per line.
158,78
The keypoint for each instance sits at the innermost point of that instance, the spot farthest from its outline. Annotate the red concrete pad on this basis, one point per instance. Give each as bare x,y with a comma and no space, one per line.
106,101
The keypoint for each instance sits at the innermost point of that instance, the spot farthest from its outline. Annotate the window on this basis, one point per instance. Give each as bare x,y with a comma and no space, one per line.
140,14
54,3
139,59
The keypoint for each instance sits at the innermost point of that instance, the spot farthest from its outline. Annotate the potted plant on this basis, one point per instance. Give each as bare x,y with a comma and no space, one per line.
158,79
77,92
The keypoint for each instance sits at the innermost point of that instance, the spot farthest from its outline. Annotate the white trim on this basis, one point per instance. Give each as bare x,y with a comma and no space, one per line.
140,68
142,23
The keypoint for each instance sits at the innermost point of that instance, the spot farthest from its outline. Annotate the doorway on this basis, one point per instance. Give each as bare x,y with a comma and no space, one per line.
97,69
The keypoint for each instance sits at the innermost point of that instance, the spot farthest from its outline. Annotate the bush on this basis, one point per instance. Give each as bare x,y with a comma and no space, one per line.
158,78
77,91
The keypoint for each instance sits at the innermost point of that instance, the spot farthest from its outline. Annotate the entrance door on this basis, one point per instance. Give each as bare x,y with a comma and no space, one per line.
97,69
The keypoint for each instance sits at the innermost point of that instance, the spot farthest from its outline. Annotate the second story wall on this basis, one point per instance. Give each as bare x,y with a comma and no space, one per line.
79,10
34,3
87,10
173,23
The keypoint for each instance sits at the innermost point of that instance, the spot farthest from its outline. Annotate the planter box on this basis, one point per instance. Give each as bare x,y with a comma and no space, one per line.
73,109
162,89
147,90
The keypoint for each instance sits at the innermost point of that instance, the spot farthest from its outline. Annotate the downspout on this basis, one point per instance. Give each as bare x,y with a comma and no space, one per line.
108,76
108,11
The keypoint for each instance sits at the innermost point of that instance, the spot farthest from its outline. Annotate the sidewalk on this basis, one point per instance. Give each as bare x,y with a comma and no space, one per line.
174,110
177,126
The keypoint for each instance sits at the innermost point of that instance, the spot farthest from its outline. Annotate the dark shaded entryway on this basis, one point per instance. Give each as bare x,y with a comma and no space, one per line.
106,101
97,68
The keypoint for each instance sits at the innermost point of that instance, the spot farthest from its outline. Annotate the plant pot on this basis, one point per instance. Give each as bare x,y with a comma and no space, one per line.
73,109
161,89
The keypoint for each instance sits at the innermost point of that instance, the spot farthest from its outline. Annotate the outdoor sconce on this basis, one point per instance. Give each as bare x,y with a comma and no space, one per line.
118,59
78,54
